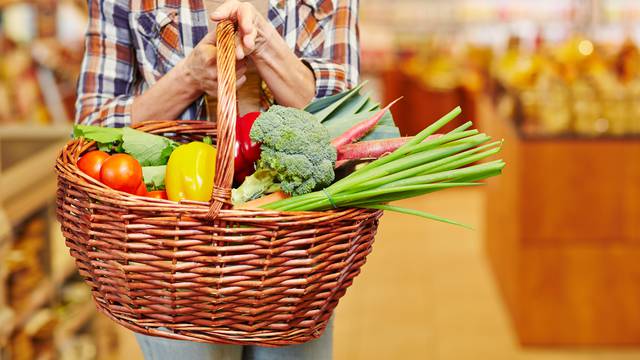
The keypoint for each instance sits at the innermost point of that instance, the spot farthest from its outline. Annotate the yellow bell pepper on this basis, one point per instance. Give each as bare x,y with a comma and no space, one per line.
190,172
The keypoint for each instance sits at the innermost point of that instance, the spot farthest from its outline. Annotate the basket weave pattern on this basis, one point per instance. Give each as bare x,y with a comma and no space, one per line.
202,271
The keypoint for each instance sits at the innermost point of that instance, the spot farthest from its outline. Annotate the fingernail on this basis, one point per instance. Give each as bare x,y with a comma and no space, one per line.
215,14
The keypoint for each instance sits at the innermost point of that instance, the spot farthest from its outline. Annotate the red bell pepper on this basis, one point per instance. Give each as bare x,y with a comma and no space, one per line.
246,151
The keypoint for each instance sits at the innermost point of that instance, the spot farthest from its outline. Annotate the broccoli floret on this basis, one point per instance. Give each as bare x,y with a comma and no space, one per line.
295,148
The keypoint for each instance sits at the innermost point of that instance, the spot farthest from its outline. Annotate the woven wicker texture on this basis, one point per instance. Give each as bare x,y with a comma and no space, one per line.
203,271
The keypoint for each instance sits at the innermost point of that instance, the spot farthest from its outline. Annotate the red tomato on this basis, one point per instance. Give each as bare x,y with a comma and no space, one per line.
157,194
91,162
121,172
142,189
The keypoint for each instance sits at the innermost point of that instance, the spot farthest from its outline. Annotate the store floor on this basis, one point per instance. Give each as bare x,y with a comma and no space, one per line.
426,292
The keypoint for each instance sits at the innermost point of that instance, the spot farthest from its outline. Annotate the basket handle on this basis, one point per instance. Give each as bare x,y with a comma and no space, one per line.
226,118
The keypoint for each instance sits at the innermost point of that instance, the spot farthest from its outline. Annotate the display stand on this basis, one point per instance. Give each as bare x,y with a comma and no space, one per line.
563,235
45,310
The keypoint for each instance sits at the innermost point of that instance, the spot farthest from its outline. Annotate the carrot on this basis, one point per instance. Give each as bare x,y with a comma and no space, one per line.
260,202
373,149
360,129
339,163
370,149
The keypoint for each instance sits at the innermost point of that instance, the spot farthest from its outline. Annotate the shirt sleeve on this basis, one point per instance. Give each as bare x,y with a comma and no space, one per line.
105,86
339,67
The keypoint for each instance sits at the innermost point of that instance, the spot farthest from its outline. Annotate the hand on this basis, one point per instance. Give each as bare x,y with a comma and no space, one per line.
199,67
251,26
289,79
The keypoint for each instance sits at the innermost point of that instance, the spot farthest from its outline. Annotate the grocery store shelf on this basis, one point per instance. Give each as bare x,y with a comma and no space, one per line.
77,318
28,185
5,3
38,298
5,227
35,132
573,137
61,276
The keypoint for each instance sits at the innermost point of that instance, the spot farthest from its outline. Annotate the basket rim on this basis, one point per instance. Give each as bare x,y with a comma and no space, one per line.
66,168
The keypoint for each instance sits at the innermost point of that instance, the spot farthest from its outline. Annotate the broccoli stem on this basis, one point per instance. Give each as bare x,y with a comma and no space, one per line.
255,186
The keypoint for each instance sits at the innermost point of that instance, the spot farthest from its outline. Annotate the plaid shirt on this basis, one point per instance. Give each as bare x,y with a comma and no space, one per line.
130,44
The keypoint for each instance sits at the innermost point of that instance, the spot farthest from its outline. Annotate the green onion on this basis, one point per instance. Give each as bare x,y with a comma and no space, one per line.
418,167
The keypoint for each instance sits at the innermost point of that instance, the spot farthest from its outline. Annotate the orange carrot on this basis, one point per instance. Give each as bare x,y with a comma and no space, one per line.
267,199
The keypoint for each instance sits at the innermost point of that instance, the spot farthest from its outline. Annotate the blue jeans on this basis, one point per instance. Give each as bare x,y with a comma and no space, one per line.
155,348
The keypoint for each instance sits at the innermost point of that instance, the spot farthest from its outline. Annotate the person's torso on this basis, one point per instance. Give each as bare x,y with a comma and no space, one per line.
165,31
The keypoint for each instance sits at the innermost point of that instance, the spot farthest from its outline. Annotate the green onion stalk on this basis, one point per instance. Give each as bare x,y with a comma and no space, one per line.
418,167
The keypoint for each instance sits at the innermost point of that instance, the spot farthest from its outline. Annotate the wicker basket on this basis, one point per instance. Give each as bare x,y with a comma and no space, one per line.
203,271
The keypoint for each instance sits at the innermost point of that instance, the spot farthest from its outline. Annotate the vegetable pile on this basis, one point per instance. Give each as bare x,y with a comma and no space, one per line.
296,155
418,167
140,163
340,112
120,171
289,159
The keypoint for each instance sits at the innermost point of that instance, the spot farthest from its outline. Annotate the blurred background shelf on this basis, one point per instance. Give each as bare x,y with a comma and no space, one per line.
563,236
78,317
26,132
28,185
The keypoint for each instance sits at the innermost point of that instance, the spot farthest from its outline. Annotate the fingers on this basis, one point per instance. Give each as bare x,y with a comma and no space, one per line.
210,87
249,41
240,81
241,69
246,16
201,63
240,54
228,10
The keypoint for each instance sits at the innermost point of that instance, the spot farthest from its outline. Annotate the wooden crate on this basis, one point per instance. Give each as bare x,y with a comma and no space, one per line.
563,236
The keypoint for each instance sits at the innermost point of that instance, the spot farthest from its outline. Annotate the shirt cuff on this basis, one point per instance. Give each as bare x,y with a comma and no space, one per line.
330,77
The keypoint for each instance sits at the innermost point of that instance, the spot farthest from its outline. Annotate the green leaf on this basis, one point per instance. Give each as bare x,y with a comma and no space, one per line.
370,106
322,103
117,147
338,126
108,147
166,152
367,106
387,119
99,134
382,132
148,149
348,108
417,213
154,176
324,113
